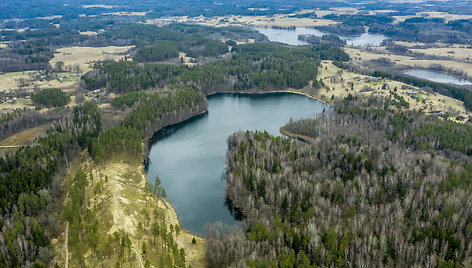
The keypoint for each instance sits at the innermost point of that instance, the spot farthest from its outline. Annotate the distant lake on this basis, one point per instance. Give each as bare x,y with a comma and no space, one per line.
189,158
364,40
290,36
438,77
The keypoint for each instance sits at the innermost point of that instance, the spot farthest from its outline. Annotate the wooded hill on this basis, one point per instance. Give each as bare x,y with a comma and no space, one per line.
253,67
33,49
30,178
371,188
30,187
154,112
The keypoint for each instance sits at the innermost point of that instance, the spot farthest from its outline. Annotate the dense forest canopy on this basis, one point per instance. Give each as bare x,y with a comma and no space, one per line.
261,66
30,183
361,193
368,186
154,111
158,51
51,97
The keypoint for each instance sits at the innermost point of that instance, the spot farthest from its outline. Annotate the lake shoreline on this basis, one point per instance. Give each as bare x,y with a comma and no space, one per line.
296,136
460,81
290,36
149,138
147,143
273,92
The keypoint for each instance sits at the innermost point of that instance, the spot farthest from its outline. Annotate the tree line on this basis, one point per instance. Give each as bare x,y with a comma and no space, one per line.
458,93
157,51
50,97
20,119
30,186
154,111
356,195
253,67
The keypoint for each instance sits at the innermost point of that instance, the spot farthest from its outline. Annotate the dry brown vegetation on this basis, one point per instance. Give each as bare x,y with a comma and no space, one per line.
126,205
25,137
339,83
27,81
85,56
22,84
363,55
278,20
459,53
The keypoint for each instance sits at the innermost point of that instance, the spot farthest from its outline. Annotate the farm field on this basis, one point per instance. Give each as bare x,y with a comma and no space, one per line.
362,55
85,56
339,83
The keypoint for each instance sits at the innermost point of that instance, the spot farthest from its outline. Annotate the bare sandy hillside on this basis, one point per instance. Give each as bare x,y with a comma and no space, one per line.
124,204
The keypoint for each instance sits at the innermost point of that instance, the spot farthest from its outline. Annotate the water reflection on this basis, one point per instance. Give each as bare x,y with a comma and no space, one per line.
233,210
438,77
290,36
189,158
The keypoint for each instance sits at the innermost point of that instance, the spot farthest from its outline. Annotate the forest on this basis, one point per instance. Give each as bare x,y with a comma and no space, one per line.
415,29
126,76
428,30
364,186
158,51
50,97
86,229
30,185
30,180
261,66
153,112
21,119
367,187
128,99
330,39
32,49
30,206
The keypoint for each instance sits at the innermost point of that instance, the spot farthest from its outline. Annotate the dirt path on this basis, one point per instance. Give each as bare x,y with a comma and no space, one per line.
66,246
174,221
139,257
121,216
128,198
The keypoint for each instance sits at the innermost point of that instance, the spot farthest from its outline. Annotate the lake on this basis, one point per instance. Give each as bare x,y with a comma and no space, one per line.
290,36
438,77
189,158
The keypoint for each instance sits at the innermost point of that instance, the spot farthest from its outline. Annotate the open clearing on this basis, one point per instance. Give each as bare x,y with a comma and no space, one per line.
9,81
85,56
134,13
339,83
361,54
25,137
454,52
20,85
284,21
28,81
